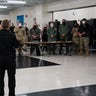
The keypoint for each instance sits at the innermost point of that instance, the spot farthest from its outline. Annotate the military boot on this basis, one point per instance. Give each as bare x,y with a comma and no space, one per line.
77,52
81,52
87,53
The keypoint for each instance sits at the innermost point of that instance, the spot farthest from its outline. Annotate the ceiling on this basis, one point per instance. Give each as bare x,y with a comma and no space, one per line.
12,6
29,3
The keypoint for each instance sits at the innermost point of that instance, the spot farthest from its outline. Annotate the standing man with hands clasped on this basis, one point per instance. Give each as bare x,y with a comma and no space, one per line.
21,36
51,32
63,31
35,37
8,43
84,32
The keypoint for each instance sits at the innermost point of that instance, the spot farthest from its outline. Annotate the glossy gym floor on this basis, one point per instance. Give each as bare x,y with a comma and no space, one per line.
55,75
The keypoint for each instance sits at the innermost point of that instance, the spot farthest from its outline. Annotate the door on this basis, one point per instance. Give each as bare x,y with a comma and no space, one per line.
20,18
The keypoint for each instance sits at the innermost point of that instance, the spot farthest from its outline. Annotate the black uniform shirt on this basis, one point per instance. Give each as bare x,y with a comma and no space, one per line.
8,43
85,29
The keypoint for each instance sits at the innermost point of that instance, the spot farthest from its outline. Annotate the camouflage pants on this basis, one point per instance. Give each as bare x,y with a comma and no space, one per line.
51,49
84,44
22,47
76,42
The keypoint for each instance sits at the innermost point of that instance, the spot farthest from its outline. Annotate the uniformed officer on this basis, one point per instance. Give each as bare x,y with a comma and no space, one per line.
75,38
63,31
84,31
51,32
44,38
21,36
56,25
8,43
12,28
35,37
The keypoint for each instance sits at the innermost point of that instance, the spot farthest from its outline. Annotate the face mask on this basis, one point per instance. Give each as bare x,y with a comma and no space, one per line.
83,22
51,25
19,25
34,26
63,23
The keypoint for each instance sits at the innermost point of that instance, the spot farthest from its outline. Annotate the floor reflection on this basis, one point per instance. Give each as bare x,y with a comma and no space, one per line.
77,91
27,62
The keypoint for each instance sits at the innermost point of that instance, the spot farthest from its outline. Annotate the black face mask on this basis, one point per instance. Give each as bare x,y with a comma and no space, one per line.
63,23
20,27
34,27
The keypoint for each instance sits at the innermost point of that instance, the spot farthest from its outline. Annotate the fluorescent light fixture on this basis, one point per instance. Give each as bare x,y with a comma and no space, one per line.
1,6
15,2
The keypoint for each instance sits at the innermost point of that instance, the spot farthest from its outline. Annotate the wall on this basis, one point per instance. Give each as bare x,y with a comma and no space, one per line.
76,14
43,15
37,12
46,15
68,4
71,4
4,17
23,11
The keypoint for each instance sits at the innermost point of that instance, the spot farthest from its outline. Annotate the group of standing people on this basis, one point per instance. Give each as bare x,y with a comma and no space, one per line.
79,34
56,32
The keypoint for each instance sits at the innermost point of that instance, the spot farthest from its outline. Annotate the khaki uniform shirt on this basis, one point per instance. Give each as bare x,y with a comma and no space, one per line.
20,34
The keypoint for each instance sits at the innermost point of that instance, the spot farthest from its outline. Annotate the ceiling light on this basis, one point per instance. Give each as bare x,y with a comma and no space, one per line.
3,6
15,2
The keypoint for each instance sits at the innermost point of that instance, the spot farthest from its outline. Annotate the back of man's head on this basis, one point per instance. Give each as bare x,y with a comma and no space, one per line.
5,23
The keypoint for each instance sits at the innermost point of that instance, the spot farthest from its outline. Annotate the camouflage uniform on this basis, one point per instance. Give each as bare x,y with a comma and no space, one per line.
64,30
75,39
84,31
21,36
51,32
35,31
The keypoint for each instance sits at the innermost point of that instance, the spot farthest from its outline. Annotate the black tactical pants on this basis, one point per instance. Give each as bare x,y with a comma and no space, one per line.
51,49
66,49
35,46
7,63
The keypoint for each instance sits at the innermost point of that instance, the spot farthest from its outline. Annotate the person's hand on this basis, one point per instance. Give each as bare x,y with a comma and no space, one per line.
80,35
83,33
62,35
52,36
33,36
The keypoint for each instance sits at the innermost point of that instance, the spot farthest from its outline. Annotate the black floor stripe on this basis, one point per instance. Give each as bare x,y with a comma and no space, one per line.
27,62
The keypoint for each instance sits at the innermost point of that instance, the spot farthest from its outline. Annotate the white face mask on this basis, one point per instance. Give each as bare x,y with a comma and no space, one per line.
19,24
51,25
83,22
